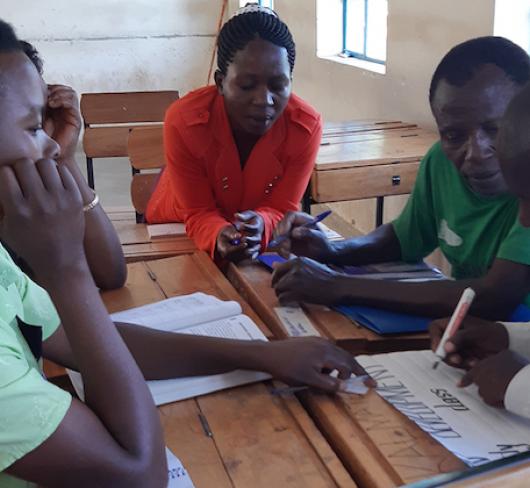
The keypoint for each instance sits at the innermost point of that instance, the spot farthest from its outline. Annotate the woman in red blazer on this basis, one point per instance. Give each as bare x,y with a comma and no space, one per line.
240,153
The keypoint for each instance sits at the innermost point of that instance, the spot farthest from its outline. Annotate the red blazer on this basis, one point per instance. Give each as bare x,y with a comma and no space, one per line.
203,184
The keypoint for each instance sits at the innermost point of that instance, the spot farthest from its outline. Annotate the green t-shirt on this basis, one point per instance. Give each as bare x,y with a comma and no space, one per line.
31,408
471,230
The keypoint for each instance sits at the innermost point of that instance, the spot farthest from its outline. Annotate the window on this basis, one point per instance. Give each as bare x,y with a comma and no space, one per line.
365,29
512,20
263,3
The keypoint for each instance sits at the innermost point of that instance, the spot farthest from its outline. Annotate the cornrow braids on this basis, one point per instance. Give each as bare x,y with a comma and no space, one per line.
247,24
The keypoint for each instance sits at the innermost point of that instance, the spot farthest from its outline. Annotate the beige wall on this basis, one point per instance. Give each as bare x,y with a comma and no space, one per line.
119,45
420,32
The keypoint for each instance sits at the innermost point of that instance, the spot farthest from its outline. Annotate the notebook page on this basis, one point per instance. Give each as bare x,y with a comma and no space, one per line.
172,390
176,313
456,417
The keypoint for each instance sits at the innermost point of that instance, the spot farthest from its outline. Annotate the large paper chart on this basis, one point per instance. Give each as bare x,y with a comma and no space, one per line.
456,417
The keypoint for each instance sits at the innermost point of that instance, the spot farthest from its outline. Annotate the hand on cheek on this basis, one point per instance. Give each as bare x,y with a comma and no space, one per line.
43,218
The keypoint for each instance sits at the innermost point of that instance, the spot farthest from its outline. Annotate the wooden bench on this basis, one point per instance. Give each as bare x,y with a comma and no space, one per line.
108,118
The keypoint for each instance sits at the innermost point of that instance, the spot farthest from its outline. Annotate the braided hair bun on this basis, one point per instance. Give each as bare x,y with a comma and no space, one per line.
248,23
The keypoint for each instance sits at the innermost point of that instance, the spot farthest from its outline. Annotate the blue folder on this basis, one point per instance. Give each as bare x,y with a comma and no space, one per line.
385,322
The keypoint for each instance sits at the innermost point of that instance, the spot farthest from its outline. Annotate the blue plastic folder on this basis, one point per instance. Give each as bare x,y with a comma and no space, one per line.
269,259
385,322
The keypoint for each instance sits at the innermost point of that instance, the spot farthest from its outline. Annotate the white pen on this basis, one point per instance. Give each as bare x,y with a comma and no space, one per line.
456,321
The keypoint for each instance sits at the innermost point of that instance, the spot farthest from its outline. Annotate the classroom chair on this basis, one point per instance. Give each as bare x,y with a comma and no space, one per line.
108,118
145,147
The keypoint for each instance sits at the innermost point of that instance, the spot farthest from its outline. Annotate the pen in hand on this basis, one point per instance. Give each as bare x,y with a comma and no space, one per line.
237,241
454,324
319,218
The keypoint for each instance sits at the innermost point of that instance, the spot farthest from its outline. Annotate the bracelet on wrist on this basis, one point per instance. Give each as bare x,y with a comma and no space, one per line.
92,204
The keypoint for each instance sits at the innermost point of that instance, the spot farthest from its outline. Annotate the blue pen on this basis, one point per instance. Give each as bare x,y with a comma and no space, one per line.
235,242
319,218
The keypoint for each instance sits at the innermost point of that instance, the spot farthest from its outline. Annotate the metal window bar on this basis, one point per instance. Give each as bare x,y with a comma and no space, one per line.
354,54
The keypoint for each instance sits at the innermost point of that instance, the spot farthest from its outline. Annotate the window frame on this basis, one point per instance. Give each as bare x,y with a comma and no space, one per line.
260,3
354,54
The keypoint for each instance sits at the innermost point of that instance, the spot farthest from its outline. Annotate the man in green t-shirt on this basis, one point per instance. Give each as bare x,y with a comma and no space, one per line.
459,203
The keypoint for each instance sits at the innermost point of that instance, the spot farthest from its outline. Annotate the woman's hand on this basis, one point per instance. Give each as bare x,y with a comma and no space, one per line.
42,216
63,120
242,239
305,280
302,241
475,340
493,375
252,225
308,361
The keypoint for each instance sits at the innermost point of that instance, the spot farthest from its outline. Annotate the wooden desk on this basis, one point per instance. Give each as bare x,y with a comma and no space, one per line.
253,282
379,446
258,440
369,164
358,161
138,246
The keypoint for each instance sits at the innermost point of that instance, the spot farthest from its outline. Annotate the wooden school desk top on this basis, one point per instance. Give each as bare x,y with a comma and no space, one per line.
138,246
379,446
253,282
258,440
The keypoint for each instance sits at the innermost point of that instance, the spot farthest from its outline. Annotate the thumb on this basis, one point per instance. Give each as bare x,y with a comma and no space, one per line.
326,383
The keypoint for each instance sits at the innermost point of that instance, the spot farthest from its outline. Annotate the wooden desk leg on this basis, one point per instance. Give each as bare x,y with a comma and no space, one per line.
307,200
90,173
379,211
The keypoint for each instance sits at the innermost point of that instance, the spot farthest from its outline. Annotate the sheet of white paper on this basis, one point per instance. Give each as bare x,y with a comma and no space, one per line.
176,313
167,391
178,477
296,322
355,385
455,417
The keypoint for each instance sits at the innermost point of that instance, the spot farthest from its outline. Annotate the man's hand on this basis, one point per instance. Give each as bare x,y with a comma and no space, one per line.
308,361
63,120
302,241
305,280
42,216
493,375
475,340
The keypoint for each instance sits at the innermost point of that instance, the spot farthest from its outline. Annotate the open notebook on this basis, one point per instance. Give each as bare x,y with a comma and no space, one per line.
197,314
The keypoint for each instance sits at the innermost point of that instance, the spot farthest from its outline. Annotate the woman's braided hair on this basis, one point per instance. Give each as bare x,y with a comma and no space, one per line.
248,23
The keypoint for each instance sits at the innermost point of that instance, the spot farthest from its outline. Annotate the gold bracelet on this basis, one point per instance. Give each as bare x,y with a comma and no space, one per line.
92,204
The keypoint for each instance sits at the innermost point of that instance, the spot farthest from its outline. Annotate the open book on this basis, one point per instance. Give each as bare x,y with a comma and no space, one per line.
196,314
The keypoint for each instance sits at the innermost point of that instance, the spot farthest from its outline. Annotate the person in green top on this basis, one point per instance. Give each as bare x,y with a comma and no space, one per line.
114,439
460,203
